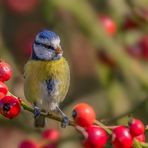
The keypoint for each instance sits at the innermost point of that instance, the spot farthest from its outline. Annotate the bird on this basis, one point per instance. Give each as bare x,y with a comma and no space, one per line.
46,77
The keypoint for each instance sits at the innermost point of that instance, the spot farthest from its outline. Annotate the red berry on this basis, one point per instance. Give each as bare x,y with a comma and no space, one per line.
28,144
109,24
5,71
135,52
140,138
83,115
10,107
97,136
51,134
86,144
22,6
129,23
143,44
136,127
121,137
3,90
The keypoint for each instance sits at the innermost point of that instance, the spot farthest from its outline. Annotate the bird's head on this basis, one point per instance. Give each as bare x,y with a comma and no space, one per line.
46,46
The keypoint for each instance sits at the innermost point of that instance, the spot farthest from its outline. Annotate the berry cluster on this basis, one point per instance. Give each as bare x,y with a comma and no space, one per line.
49,139
9,105
97,137
138,51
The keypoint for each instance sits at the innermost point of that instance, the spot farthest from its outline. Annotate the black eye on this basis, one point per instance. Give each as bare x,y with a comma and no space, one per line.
48,46
37,43
51,48
44,45
74,113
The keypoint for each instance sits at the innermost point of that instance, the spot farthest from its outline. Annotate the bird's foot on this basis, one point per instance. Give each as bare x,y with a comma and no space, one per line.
37,112
65,122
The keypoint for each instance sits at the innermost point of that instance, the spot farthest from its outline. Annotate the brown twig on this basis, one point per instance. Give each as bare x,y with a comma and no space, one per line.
49,115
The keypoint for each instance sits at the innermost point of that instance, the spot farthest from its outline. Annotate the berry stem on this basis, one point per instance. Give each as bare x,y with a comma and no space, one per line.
146,127
108,129
103,126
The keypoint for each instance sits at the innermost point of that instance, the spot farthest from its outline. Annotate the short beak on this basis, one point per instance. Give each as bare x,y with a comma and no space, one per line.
58,50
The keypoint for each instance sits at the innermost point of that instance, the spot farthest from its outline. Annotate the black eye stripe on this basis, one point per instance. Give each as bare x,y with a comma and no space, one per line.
44,45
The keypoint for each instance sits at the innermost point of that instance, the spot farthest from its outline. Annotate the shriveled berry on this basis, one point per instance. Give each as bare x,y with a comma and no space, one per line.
108,24
28,144
140,138
10,107
83,115
5,71
3,90
136,127
52,135
121,137
97,136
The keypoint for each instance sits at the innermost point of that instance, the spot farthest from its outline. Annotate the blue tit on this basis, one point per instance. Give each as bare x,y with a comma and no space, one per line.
47,76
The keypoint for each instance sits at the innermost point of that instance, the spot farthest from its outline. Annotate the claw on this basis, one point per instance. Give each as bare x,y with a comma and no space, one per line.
65,122
36,112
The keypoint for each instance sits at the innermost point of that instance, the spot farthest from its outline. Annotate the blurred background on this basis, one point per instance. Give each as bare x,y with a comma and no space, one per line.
106,45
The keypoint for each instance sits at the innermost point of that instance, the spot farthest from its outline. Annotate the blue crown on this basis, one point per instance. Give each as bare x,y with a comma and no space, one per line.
46,34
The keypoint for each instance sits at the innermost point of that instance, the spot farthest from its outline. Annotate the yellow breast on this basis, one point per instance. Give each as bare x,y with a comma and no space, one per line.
37,72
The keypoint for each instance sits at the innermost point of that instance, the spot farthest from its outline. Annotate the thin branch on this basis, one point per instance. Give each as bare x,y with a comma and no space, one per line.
108,129
49,115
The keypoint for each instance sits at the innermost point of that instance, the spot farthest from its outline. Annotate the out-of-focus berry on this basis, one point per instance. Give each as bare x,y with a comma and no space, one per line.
135,51
49,146
129,23
86,144
10,107
143,44
22,6
3,90
52,135
83,115
136,127
24,39
109,24
97,136
28,144
106,59
5,71
121,137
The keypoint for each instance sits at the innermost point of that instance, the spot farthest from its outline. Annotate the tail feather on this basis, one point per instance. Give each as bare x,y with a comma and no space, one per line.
39,121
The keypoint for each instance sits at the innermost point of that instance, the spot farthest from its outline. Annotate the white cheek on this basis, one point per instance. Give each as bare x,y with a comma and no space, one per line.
58,56
43,53
55,42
